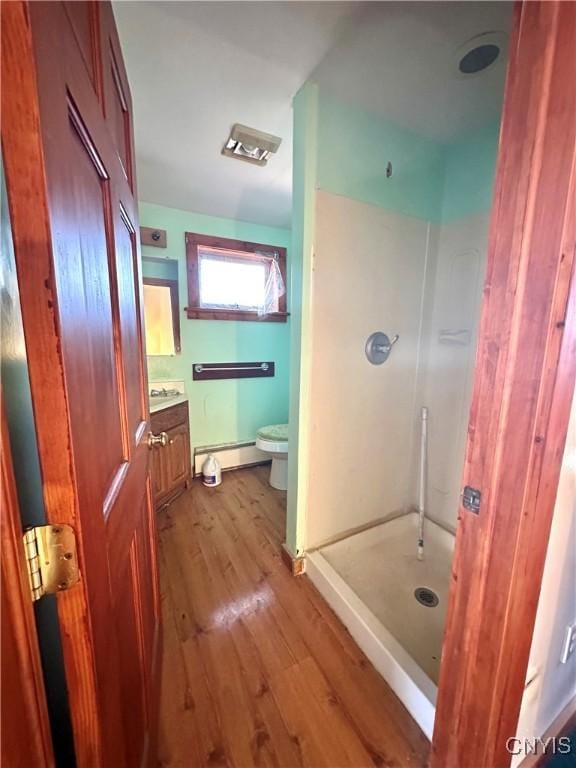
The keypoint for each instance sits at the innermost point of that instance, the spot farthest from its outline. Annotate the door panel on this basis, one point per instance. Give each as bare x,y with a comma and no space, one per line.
131,659
84,298
83,18
82,313
146,583
159,472
117,96
178,454
127,286
118,115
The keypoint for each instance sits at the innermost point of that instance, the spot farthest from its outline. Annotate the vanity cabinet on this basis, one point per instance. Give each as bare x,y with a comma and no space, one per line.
170,466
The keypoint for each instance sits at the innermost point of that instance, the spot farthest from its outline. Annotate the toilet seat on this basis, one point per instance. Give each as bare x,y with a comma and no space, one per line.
273,438
274,432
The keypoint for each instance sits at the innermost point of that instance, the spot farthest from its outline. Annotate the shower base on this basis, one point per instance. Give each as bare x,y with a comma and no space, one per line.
370,579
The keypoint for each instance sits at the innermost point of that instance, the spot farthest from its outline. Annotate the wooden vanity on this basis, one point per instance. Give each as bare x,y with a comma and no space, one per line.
170,466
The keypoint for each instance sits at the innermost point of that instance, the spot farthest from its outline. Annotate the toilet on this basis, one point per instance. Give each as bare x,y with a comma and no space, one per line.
273,440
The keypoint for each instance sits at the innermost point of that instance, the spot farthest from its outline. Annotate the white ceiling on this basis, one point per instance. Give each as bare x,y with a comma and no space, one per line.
196,68
399,59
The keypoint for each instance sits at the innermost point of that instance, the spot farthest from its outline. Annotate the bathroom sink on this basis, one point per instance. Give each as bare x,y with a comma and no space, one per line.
159,402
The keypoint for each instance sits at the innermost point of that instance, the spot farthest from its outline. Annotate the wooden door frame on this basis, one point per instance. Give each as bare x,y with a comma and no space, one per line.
26,717
523,388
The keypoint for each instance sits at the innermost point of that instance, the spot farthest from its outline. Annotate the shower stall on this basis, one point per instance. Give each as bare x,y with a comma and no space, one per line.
393,218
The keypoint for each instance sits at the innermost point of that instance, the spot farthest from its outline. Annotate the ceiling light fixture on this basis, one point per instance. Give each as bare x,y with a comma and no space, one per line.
250,145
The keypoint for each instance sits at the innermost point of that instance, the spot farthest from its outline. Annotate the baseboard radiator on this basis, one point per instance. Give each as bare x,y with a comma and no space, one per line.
230,456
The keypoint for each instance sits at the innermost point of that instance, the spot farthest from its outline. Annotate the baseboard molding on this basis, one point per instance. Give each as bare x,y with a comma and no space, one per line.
231,456
296,565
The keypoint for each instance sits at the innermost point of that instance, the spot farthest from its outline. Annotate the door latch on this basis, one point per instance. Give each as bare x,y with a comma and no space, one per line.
471,499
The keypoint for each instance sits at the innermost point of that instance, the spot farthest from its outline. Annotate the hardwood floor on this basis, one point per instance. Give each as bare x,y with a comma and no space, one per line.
258,670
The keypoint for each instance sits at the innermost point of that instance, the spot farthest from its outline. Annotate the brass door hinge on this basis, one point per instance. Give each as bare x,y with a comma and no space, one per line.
51,559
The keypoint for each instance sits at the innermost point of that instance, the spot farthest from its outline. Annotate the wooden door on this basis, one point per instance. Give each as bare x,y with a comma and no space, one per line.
24,732
67,140
524,380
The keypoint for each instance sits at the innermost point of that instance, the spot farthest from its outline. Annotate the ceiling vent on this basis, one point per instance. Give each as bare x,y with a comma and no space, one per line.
480,53
250,145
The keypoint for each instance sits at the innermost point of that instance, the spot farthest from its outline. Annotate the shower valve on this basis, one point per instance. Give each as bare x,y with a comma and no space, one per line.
379,346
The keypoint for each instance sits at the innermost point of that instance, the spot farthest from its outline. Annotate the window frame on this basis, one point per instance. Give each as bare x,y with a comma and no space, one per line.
194,311
165,282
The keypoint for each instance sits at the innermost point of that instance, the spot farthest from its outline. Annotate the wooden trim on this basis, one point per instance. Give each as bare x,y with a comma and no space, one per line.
523,387
199,313
25,730
195,312
165,282
218,371
296,565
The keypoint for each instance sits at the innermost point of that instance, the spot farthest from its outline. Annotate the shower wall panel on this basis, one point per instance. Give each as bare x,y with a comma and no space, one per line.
369,274
447,360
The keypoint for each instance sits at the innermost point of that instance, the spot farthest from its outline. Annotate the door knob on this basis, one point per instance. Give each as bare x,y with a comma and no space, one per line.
159,440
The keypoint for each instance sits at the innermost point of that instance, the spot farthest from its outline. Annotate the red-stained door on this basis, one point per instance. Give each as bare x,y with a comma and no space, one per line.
68,147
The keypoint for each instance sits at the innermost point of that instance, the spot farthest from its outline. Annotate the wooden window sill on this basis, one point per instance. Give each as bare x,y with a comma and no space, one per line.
200,313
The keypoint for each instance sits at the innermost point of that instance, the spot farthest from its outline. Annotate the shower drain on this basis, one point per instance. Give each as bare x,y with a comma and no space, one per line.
426,597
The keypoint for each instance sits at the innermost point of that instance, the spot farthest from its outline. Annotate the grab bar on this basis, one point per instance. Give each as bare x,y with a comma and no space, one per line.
262,367
243,370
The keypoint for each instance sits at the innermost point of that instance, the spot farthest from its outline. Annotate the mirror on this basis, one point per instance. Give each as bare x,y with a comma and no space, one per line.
161,306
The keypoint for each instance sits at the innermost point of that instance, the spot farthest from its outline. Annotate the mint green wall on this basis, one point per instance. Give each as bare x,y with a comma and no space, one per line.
431,181
163,270
470,166
221,411
354,147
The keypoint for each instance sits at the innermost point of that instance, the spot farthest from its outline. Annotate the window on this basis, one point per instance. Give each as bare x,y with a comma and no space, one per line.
161,316
235,280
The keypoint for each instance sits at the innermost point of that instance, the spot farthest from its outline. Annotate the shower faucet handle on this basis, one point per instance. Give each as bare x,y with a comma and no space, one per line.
387,347
379,346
